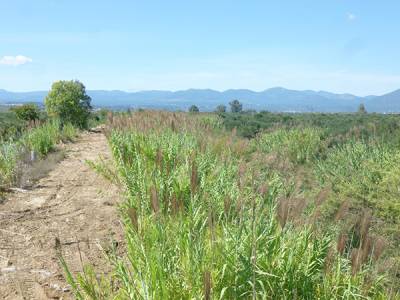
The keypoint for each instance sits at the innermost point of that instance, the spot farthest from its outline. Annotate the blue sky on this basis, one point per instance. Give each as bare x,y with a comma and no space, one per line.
339,46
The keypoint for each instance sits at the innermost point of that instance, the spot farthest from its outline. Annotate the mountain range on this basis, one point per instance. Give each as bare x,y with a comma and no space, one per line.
274,99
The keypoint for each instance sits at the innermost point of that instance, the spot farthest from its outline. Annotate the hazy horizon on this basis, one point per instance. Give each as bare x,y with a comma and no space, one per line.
187,89
336,46
218,90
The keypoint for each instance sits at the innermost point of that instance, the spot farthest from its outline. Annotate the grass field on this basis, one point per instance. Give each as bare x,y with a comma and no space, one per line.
299,211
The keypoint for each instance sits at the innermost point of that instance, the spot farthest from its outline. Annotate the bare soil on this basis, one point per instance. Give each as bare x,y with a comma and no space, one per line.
71,204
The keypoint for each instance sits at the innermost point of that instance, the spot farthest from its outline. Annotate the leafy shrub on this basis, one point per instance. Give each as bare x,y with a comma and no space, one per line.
27,112
10,126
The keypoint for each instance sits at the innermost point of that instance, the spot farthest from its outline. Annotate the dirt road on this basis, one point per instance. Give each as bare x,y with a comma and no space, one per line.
72,204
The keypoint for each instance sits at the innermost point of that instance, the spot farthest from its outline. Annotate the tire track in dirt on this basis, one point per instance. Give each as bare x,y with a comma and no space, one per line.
73,204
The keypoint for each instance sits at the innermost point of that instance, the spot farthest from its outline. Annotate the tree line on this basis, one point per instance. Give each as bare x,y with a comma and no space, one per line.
237,107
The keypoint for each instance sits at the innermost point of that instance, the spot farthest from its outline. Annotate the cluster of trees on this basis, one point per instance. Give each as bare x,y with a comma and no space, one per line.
67,101
235,106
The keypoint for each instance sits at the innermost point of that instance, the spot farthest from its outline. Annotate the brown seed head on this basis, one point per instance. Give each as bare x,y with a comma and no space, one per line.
207,285
155,204
283,211
132,213
341,243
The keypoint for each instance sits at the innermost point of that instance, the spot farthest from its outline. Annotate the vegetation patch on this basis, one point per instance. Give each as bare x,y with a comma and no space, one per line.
208,222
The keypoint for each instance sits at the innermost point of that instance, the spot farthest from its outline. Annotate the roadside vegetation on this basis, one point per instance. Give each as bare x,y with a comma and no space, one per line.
299,211
28,133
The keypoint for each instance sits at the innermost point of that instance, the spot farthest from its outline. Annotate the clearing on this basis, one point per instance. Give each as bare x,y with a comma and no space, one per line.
73,205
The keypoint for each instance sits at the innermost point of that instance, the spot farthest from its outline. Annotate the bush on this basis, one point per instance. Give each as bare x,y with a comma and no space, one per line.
27,112
194,109
10,126
68,102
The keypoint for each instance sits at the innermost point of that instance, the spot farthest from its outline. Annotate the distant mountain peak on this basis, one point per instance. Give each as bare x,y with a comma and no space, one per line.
273,99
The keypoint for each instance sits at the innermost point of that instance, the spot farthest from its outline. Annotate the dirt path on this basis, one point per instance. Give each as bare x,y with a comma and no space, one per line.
71,204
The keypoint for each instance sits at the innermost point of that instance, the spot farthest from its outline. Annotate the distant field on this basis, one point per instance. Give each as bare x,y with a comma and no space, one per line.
385,126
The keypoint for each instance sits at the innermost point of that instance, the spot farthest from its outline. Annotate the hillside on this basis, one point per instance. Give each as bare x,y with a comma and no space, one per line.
389,102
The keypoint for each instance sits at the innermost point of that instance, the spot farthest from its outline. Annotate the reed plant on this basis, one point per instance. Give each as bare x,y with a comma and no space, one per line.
202,222
8,163
300,145
69,133
365,173
43,138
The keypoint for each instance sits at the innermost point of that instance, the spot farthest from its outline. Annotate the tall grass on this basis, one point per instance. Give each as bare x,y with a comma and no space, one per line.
8,163
299,145
366,173
69,133
41,139
201,224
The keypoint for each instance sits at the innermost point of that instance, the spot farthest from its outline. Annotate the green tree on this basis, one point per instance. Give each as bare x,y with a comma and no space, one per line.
236,106
194,109
27,112
361,109
220,108
68,101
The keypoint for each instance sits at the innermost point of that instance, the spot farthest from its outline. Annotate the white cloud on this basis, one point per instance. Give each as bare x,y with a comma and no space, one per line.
351,17
15,60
